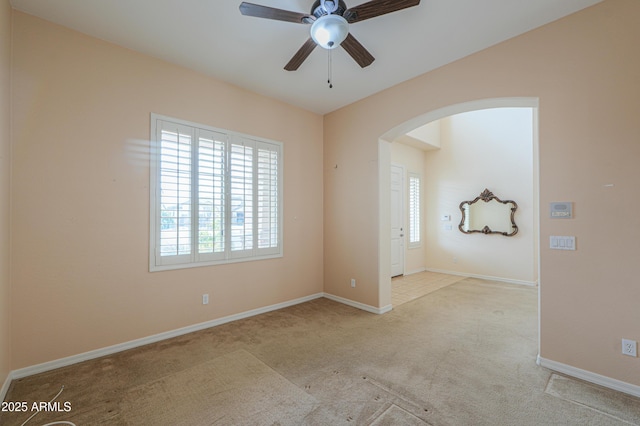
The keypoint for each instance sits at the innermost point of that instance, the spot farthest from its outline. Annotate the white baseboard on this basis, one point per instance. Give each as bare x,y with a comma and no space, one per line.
484,277
415,271
359,305
5,386
588,376
74,359
86,356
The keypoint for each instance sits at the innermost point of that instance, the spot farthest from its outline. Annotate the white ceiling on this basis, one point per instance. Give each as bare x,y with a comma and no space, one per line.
212,37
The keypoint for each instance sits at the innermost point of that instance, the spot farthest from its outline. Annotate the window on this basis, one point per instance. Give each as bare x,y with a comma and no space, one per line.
216,196
414,210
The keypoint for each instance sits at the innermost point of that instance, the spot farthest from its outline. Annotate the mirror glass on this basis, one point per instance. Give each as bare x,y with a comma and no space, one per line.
488,214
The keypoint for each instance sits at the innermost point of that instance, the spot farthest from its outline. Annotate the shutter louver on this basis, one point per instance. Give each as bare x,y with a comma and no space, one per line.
211,193
414,210
175,192
268,202
241,202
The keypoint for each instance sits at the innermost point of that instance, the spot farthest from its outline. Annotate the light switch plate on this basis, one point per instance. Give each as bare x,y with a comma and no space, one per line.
557,242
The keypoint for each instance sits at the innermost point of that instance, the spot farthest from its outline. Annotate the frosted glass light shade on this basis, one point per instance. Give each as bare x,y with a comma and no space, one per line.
329,31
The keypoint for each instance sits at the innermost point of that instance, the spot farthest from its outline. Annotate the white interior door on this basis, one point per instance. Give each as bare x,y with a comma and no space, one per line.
397,221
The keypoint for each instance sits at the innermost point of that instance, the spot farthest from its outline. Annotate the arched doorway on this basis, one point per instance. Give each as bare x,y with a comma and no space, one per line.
393,134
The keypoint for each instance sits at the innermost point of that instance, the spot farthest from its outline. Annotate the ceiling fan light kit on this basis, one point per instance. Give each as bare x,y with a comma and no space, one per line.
330,21
329,31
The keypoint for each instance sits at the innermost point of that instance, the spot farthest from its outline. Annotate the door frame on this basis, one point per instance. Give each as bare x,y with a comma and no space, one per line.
402,212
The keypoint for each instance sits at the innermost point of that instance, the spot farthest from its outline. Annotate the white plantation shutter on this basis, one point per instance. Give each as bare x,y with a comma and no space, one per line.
215,196
242,206
268,197
414,210
175,192
211,195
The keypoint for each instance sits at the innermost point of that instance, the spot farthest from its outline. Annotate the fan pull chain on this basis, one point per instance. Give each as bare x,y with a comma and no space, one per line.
329,71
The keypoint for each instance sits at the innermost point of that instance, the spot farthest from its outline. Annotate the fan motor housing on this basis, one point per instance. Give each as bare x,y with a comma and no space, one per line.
318,11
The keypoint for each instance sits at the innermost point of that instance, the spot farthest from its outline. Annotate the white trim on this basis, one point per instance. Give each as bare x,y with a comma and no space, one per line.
588,376
416,271
536,209
63,362
5,386
359,305
110,350
484,277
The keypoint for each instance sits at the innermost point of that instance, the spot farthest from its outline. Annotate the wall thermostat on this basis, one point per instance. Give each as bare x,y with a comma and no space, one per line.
561,210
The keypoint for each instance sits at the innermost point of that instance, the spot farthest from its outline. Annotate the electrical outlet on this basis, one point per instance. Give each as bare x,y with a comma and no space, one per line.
630,347
205,299
353,282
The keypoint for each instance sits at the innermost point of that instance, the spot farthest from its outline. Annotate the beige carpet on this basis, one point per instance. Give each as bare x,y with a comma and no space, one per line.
209,394
462,355
596,398
395,415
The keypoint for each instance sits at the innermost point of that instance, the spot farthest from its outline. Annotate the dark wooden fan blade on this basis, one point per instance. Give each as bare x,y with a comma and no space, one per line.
357,51
375,8
250,9
301,55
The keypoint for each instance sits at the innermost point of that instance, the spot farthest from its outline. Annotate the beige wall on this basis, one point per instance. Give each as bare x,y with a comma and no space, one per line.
5,170
81,196
80,187
584,69
489,148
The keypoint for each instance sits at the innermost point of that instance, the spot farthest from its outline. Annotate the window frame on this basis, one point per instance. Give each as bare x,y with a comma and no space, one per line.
228,255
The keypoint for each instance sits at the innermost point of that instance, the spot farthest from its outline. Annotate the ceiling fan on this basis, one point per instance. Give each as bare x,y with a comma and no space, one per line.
330,21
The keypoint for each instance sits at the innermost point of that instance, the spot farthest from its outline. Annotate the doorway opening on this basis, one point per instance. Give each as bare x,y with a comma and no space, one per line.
440,218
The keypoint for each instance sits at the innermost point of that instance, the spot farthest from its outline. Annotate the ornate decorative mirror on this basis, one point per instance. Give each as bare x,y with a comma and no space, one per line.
492,216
